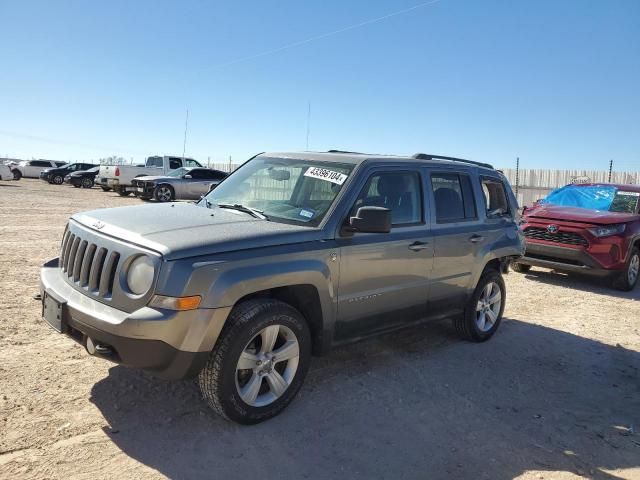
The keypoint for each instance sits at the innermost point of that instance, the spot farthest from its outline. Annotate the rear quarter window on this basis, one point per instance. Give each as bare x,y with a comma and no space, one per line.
495,197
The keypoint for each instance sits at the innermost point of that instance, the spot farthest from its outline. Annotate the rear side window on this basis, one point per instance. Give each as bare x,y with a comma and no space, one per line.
174,163
495,197
453,196
38,163
189,162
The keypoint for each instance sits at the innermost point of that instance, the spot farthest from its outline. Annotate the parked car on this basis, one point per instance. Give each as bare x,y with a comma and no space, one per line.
293,253
82,178
592,229
6,173
181,184
119,177
33,168
56,175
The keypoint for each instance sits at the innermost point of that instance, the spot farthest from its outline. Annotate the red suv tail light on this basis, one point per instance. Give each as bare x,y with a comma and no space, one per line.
117,171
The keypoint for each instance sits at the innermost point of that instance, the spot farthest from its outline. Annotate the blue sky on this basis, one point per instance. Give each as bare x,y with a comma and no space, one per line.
554,82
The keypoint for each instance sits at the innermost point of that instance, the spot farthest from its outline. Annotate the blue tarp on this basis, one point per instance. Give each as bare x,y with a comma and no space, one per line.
593,197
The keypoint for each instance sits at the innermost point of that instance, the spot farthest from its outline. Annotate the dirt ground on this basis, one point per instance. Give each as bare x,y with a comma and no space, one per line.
555,394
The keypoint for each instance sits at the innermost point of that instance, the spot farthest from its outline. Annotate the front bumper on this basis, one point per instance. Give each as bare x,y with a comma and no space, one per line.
564,259
171,344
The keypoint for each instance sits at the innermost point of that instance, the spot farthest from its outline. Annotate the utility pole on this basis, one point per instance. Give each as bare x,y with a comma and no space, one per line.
229,163
184,144
610,169
308,124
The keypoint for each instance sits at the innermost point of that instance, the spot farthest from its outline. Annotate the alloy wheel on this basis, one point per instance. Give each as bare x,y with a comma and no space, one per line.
164,194
634,268
267,365
488,307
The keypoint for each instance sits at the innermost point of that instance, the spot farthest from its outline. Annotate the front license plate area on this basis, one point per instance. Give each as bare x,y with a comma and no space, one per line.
52,312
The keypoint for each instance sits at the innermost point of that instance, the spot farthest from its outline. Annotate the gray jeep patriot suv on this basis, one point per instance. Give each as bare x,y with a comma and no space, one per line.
290,255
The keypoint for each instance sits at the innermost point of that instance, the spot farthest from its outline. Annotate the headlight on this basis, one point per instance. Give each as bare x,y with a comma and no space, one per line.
140,275
607,231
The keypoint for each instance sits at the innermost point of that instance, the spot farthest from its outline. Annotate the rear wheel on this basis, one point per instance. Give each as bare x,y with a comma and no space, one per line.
87,182
628,278
57,179
17,174
483,313
122,192
259,362
75,185
164,193
520,267
105,189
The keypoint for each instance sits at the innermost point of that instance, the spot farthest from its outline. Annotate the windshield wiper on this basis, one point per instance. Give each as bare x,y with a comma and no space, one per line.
243,208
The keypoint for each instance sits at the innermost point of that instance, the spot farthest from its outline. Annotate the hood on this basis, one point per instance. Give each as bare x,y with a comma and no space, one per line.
582,215
179,230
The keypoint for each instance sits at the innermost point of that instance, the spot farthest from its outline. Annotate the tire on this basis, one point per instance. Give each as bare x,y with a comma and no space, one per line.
164,193
87,182
470,325
123,193
627,279
57,179
221,382
76,186
520,267
105,189
17,174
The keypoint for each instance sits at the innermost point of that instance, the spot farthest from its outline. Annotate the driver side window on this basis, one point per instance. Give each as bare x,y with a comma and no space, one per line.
400,192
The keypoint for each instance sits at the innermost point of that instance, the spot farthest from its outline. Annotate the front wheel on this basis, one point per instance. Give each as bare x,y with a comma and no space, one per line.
628,278
123,193
57,180
164,193
105,189
483,312
259,362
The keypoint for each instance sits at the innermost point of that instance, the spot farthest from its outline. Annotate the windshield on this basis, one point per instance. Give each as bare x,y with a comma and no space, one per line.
286,190
178,172
595,197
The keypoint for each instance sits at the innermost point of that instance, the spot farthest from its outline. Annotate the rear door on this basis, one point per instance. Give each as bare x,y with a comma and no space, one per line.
457,235
384,277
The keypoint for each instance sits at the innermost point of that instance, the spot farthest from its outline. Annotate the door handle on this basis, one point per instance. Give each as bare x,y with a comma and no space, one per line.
476,238
417,246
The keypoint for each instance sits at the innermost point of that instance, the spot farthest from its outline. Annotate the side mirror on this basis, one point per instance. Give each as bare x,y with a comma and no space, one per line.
371,220
187,176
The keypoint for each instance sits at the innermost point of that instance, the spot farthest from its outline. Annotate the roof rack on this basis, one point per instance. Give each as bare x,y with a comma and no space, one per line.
343,151
427,156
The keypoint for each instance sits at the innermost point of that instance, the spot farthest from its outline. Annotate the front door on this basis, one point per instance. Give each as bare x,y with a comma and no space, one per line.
384,277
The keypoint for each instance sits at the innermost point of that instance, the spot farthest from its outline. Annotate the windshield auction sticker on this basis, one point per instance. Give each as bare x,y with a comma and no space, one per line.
324,174
628,194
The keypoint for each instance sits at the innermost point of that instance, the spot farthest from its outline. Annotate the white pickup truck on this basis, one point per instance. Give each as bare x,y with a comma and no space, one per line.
118,177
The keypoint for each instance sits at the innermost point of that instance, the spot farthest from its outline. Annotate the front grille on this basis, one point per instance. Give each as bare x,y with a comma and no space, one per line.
567,238
88,265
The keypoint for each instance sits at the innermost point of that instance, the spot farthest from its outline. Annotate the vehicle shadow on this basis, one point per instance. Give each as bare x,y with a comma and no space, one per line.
580,282
418,403
8,185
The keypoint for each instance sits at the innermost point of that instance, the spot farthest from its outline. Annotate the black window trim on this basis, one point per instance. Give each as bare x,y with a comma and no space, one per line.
473,197
492,179
417,172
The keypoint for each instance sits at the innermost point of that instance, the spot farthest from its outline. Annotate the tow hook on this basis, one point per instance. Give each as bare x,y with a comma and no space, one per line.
94,348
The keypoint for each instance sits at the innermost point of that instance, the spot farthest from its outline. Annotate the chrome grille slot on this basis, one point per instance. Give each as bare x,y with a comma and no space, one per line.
96,269
72,255
86,265
108,274
77,264
65,239
67,249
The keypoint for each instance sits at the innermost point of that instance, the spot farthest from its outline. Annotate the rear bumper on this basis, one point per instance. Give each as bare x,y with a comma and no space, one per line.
564,259
171,344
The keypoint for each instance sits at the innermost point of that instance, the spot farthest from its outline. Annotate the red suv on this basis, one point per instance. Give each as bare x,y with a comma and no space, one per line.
592,229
